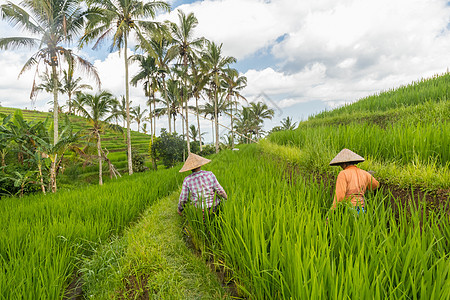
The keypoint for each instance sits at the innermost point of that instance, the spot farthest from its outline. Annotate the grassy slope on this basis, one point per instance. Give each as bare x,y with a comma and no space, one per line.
402,133
114,142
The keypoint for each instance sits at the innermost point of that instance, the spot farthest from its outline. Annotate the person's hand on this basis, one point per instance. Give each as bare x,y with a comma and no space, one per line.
179,212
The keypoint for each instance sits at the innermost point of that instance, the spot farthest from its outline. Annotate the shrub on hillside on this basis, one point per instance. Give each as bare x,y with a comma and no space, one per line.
169,148
207,150
138,161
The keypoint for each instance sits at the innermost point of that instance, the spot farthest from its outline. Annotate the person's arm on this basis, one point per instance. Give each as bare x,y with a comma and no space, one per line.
218,188
184,196
341,188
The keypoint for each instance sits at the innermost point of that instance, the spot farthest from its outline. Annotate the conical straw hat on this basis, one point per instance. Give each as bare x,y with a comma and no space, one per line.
346,156
194,161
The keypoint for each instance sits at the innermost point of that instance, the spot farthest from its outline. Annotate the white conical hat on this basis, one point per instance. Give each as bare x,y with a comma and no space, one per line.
346,156
194,161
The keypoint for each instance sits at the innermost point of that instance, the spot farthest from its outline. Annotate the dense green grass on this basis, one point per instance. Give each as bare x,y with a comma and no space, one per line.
151,261
275,237
41,236
403,133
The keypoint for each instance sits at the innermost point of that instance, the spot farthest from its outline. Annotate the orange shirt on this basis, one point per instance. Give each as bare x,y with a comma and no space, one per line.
351,184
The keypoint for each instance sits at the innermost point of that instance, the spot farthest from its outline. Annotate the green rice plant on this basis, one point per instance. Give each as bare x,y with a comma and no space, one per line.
151,260
399,142
281,241
41,236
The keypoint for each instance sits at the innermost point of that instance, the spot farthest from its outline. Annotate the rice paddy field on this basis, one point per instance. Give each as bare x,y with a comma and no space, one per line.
275,237
113,141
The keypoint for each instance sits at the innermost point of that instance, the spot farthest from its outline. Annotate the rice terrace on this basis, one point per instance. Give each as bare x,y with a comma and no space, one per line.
138,159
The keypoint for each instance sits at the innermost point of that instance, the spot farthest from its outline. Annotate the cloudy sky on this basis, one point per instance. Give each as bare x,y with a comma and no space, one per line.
301,57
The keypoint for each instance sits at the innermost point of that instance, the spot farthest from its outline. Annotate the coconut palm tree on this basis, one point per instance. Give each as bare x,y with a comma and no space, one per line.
148,74
186,45
214,66
233,84
53,25
171,105
287,124
194,133
157,43
197,83
120,18
71,86
138,115
259,112
96,108
246,124
214,111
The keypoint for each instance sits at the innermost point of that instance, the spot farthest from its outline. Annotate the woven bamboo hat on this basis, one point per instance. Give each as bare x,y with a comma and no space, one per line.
194,161
346,156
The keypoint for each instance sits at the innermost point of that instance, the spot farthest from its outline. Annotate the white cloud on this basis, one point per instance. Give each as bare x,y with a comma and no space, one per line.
329,51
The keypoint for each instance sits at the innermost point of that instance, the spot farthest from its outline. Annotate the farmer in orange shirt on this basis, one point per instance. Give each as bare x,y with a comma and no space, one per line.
352,182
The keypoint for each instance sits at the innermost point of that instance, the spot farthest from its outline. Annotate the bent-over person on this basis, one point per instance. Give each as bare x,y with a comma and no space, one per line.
200,186
352,182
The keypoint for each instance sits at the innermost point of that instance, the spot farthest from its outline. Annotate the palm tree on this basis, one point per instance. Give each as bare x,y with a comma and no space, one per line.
246,123
55,23
120,17
172,104
194,134
138,115
286,124
234,83
214,111
214,65
186,44
157,43
259,112
148,74
96,108
197,83
71,86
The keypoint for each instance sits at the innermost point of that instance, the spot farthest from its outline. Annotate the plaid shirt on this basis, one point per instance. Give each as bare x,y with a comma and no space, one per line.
200,186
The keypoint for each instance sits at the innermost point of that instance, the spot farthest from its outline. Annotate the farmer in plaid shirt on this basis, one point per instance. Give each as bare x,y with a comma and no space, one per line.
200,186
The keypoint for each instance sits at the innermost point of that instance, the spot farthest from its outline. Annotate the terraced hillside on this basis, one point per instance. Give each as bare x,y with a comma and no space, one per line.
404,135
113,141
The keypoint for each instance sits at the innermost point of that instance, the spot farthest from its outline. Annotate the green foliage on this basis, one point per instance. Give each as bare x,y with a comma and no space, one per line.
138,161
207,150
42,236
152,260
169,148
275,238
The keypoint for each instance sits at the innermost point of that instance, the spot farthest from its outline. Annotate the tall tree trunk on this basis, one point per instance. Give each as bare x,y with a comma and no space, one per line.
182,128
167,101
53,174
232,129
186,98
150,110
127,99
216,115
174,130
100,158
212,132
55,104
154,116
42,180
198,124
